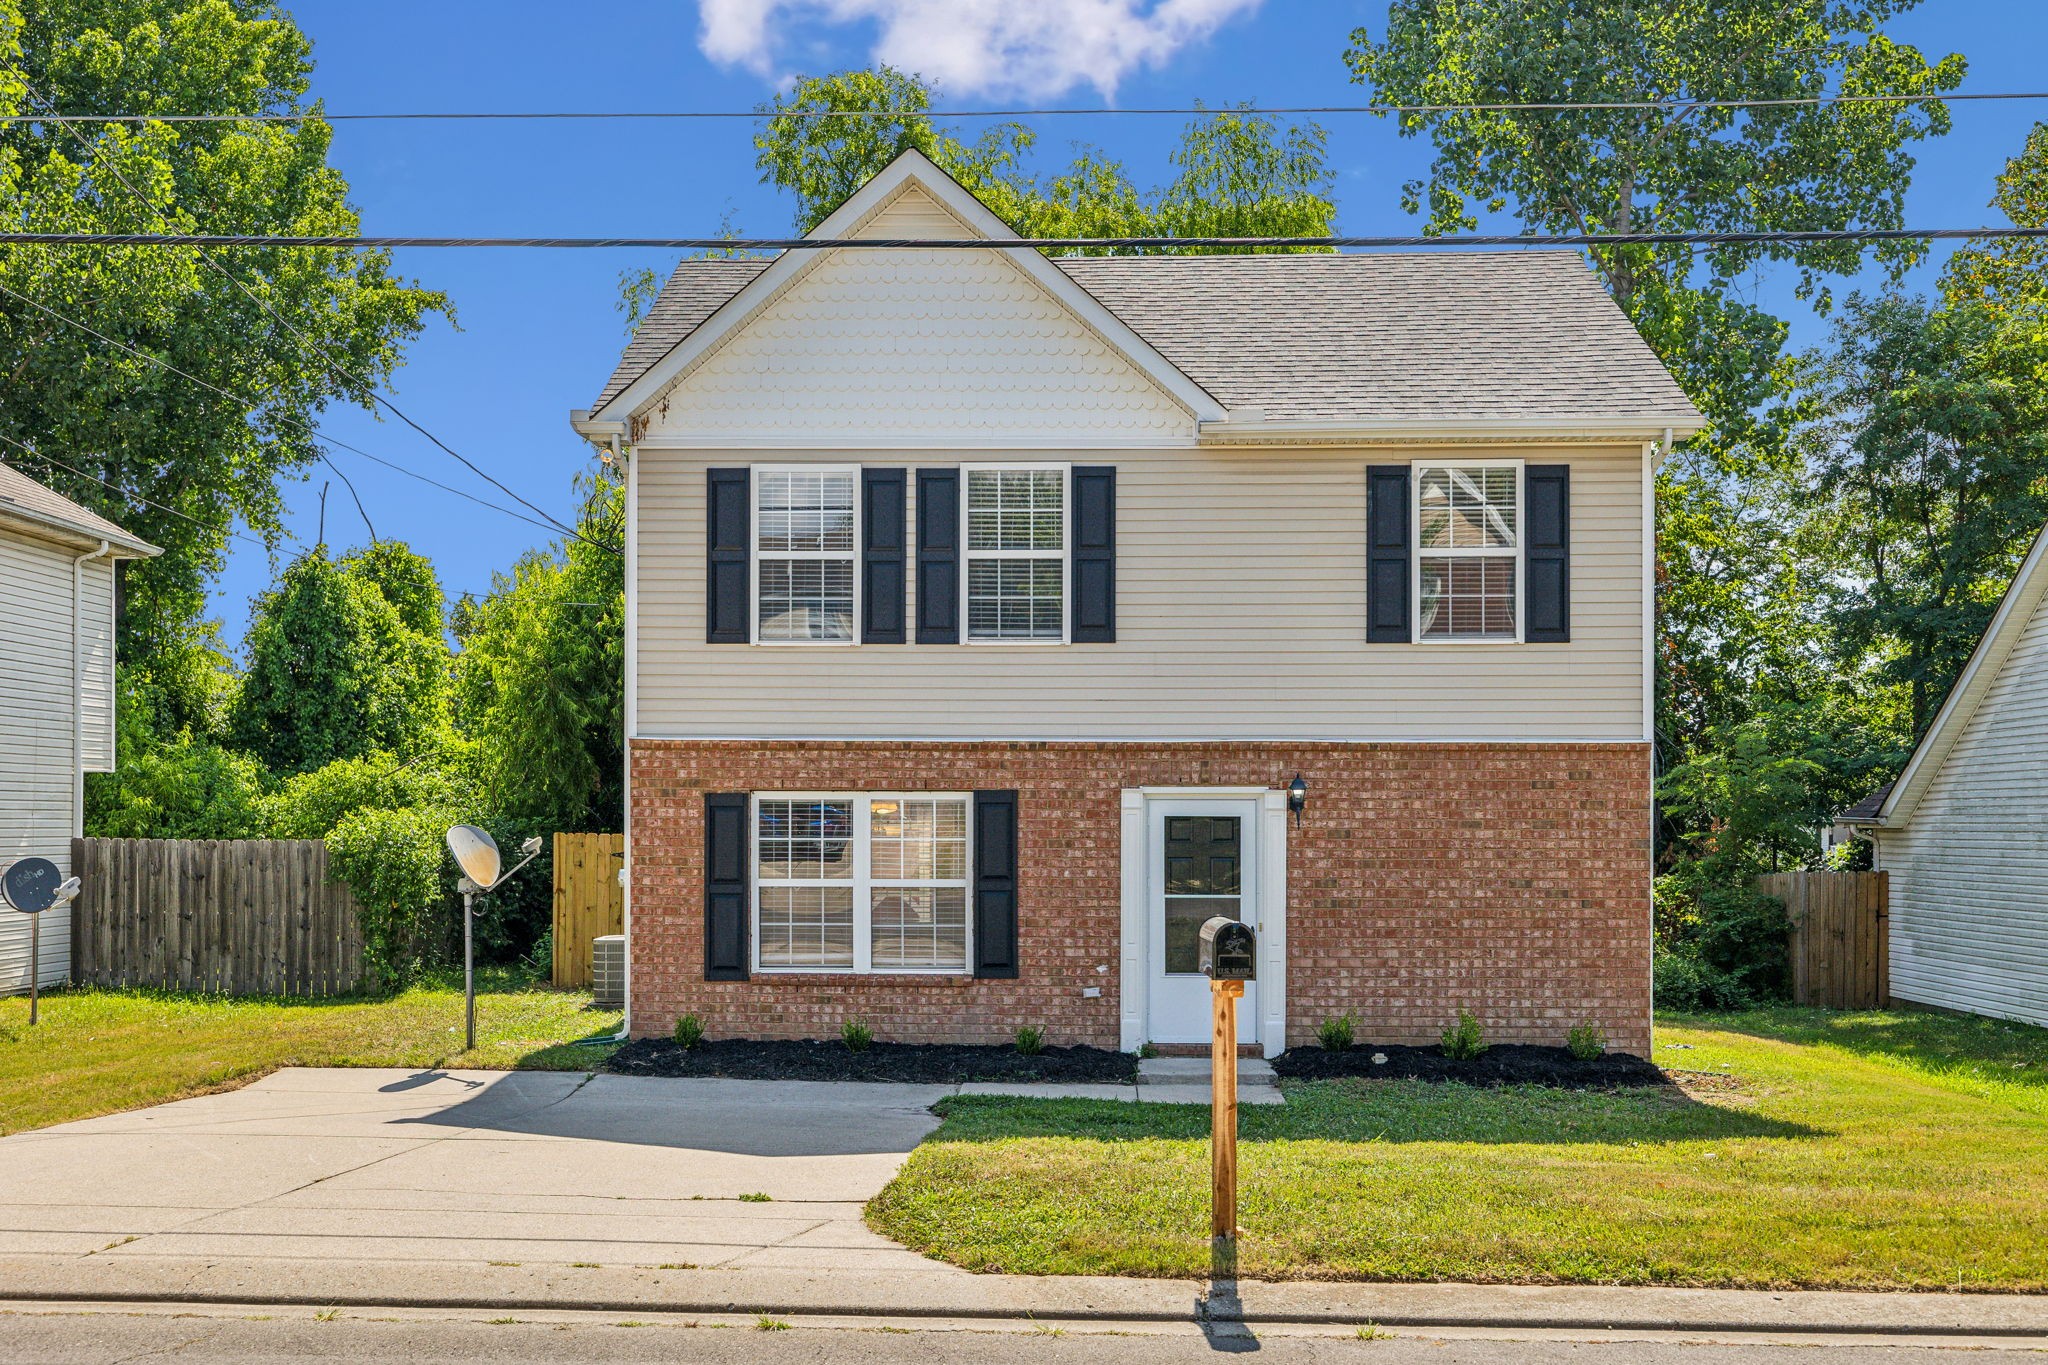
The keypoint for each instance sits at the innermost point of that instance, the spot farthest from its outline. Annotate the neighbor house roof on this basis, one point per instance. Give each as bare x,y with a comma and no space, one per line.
1496,336
28,505
1894,805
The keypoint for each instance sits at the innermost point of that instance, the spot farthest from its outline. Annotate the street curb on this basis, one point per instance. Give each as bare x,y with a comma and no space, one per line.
938,1294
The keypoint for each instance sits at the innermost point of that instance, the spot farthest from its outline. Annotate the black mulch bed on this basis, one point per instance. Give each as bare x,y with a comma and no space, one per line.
1500,1064
918,1063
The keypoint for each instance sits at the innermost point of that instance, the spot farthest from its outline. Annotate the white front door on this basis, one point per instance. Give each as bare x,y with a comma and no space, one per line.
1203,856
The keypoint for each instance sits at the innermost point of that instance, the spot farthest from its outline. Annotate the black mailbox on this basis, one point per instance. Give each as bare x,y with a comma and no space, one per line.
1229,950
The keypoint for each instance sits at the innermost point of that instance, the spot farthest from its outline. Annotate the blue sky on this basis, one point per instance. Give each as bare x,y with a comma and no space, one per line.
538,330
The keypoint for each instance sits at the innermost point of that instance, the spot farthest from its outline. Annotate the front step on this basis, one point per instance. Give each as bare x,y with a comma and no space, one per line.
1251,1072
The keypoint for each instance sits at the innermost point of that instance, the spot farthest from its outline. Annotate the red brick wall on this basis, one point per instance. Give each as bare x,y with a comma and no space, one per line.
1508,879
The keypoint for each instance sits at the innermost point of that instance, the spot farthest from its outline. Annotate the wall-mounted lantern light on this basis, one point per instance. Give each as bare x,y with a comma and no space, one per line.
1297,797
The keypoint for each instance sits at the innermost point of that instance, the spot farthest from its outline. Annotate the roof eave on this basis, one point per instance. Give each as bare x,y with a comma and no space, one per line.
120,544
1247,428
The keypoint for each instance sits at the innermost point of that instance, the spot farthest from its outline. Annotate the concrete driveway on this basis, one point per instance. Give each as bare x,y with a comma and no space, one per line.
528,1168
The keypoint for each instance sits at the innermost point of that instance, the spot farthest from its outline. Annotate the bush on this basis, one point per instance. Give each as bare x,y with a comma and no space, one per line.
1586,1042
1682,981
1464,1040
394,863
689,1032
1337,1035
1733,935
1030,1041
187,790
857,1036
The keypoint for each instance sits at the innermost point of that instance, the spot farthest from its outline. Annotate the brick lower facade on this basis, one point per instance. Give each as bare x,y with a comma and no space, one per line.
1508,879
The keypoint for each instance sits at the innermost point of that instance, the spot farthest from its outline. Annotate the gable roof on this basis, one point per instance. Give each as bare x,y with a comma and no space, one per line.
39,511
910,171
2023,596
1434,340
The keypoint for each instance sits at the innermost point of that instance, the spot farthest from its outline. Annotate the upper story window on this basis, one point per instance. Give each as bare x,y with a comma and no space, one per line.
1468,579
1016,551
805,543
861,883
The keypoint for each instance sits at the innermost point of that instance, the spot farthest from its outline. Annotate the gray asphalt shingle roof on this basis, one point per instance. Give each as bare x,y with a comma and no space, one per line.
1390,336
23,499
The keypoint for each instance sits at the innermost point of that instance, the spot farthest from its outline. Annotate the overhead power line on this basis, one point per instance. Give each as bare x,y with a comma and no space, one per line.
1072,111
738,244
49,459
306,427
308,346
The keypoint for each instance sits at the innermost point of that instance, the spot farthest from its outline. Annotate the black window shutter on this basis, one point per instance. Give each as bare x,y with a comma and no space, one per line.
1092,552
938,556
883,523
995,884
1547,552
727,926
728,531
1388,555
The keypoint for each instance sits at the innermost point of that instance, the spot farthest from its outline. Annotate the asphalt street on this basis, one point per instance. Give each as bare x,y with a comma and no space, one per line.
58,1335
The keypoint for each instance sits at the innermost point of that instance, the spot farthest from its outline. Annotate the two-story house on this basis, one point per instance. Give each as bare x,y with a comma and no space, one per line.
994,620
57,592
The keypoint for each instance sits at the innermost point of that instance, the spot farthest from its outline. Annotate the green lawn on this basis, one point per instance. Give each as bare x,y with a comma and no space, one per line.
1875,1150
95,1052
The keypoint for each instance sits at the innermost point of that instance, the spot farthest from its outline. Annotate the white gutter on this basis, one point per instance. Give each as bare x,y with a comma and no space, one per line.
1249,425
78,691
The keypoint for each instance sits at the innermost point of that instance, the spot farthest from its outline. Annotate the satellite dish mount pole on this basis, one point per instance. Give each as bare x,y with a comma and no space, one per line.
468,889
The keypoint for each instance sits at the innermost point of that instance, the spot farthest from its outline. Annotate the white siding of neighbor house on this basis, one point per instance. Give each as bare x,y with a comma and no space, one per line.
37,715
1969,872
1240,614
921,348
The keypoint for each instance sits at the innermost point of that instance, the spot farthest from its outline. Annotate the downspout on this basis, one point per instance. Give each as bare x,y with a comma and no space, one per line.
629,659
78,691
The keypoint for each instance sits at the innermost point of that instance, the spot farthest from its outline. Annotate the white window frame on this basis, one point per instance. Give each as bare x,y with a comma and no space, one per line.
755,554
863,883
1065,553
1417,553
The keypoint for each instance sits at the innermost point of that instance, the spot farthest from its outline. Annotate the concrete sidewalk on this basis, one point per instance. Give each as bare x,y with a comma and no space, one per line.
908,1297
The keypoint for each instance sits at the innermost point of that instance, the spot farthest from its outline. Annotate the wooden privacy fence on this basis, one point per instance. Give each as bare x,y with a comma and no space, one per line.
238,916
588,900
1841,936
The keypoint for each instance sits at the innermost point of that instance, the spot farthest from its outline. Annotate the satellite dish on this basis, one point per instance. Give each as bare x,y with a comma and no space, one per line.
476,853
31,885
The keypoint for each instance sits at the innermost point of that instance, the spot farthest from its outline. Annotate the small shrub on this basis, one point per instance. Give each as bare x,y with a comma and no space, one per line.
1686,983
1146,1051
1030,1041
539,962
689,1032
1336,1035
1464,1040
1586,1042
856,1035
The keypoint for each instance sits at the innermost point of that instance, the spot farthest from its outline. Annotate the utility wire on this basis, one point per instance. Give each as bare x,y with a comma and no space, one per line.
1574,239
50,459
1086,111
308,346
310,430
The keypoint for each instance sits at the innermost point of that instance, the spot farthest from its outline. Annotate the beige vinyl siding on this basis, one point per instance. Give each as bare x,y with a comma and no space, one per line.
1240,614
1969,873
36,719
913,213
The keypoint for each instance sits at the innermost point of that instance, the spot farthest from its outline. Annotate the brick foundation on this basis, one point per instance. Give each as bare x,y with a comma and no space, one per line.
1508,879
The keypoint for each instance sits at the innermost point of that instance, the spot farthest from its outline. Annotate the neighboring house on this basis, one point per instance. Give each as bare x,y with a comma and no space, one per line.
56,691
1963,831
982,608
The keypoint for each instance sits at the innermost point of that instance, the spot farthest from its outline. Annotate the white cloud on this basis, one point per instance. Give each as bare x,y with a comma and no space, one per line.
1036,48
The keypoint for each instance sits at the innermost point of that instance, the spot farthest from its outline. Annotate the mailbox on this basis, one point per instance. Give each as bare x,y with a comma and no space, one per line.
1229,950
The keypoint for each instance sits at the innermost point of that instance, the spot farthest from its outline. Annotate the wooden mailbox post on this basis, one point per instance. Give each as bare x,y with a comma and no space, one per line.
1228,957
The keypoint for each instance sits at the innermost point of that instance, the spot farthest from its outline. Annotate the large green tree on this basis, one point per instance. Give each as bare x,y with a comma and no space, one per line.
1928,455
1236,174
2009,275
1693,168
290,330
337,669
